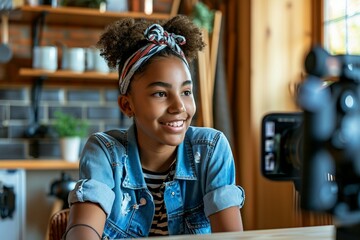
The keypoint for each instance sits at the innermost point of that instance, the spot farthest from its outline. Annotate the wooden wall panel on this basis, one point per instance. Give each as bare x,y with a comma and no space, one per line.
239,90
280,38
265,44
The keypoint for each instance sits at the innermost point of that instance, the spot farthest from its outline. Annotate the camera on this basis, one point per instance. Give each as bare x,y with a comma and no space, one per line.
281,146
319,148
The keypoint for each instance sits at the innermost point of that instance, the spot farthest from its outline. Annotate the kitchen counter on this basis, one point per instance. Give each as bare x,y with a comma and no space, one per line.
39,164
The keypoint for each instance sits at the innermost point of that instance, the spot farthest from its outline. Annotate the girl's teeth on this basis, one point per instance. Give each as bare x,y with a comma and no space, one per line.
175,124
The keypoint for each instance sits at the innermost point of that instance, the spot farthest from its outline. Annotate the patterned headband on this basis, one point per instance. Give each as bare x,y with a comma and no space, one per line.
158,40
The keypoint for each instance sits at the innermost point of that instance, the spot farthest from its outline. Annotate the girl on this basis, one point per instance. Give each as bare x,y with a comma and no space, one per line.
161,176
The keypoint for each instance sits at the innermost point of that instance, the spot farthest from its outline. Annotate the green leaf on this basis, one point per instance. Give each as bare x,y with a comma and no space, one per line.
69,126
203,16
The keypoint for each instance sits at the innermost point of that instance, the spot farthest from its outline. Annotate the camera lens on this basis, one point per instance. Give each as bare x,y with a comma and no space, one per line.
292,145
348,101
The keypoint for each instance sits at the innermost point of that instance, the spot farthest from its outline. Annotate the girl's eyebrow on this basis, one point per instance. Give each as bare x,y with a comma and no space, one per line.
167,85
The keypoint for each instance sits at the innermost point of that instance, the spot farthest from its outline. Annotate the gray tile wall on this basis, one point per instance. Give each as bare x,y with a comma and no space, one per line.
97,105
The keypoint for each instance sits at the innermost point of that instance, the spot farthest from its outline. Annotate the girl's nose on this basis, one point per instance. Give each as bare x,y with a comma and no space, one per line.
177,106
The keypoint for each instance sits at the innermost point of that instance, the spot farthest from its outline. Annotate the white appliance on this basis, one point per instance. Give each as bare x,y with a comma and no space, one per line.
12,204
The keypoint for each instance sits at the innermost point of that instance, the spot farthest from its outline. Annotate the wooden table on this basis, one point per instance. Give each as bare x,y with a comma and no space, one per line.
301,233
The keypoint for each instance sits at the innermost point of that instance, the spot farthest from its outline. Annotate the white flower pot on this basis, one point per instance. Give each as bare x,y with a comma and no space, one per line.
70,148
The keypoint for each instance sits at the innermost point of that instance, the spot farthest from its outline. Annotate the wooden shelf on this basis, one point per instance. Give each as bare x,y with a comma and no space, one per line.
38,164
77,16
63,74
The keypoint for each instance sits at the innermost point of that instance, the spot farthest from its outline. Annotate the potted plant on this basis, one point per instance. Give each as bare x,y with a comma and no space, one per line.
70,131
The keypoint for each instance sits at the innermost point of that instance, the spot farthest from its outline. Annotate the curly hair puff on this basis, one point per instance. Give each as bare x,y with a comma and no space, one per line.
124,37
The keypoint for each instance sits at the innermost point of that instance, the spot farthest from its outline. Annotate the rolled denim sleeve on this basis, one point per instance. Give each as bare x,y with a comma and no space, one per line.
224,197
90,190
220,190
96,176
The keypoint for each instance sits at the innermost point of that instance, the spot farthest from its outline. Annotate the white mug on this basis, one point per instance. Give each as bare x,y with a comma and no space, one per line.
75,59
95,62
45,57
100,65
89,52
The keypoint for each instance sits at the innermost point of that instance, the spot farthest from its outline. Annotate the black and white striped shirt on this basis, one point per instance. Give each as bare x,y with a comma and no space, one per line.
155,183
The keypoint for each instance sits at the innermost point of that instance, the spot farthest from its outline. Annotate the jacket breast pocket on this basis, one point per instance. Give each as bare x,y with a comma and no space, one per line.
197,223
111,231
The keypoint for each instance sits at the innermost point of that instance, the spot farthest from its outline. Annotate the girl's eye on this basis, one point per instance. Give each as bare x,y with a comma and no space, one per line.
187,93
159,94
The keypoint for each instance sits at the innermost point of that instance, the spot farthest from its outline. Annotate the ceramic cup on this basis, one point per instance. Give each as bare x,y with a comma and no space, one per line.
100,65
89,52
95,62
45,57
75,59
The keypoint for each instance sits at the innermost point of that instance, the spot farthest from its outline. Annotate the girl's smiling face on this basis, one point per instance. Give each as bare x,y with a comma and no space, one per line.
161,101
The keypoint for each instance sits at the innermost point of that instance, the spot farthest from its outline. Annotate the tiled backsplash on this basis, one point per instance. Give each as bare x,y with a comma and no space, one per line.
97,105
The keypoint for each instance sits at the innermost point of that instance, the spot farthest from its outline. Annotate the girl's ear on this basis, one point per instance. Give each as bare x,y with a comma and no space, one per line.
125,106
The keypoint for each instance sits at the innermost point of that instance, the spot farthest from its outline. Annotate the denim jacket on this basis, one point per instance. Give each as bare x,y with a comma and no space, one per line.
204,183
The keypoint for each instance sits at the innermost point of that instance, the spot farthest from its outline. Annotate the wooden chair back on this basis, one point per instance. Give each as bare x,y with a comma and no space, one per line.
58,223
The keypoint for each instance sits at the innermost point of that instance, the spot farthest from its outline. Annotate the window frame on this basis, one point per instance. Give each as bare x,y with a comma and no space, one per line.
321,26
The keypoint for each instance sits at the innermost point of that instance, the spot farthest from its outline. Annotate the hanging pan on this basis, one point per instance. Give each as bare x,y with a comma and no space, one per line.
5,50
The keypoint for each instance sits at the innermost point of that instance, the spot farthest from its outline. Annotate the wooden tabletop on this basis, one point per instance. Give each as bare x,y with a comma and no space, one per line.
318,233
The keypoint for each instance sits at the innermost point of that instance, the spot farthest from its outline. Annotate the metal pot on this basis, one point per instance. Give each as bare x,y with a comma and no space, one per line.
60,188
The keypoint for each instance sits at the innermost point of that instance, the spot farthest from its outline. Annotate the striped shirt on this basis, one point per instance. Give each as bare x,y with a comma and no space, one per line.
155,183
